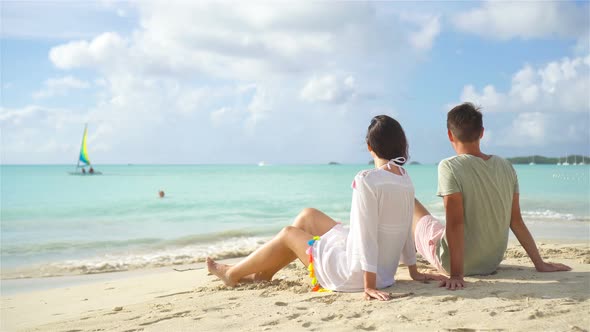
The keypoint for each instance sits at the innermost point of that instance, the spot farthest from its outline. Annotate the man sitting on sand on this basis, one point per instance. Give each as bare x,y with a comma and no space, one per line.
481,200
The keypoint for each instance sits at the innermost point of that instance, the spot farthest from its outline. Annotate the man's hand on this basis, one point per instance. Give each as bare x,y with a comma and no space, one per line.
453,283
371,293
552,267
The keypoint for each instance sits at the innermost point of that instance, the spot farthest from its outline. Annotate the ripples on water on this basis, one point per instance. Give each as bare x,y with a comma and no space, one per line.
54,224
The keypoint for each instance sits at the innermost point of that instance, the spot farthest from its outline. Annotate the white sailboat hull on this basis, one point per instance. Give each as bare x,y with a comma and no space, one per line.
80,173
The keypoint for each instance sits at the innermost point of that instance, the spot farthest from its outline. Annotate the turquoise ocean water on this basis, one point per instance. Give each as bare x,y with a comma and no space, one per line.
53,223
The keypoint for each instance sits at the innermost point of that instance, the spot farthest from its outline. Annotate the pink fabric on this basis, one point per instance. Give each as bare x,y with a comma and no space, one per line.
428,233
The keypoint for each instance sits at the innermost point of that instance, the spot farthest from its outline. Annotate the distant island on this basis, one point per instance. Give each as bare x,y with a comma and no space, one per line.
333,163
542,160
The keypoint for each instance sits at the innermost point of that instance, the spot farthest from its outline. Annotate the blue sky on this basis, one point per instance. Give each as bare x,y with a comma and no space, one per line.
229,82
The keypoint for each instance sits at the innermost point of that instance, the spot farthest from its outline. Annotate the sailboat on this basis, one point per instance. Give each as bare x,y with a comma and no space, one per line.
532,162
83,158
565,163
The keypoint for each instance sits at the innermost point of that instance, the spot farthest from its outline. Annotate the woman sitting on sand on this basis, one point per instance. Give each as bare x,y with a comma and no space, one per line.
362,258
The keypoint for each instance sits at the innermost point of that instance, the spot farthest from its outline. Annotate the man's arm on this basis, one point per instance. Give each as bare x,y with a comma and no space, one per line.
525,238
454,234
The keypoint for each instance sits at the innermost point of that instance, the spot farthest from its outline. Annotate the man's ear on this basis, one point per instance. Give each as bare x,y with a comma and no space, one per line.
451,138
369,147
481,134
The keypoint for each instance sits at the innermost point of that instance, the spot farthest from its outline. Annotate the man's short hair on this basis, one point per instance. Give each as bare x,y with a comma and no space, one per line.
465,122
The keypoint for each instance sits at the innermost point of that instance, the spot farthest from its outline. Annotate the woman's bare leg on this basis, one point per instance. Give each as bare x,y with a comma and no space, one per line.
290,243
314,222
310,220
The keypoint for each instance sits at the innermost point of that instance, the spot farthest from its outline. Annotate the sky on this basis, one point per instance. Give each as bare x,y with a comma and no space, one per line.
228,82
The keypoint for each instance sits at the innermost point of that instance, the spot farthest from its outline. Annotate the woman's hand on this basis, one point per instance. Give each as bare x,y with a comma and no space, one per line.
371,293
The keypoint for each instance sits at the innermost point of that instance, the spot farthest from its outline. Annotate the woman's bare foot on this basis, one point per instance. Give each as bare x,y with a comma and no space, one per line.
220,271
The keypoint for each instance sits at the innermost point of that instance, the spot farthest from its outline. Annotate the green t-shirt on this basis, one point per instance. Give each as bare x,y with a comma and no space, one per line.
487,187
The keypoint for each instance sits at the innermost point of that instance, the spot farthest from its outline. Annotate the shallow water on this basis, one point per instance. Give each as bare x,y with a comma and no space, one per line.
54,223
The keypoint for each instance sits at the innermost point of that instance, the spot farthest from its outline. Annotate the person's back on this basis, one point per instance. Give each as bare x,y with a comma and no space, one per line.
481,197
488,187
386,219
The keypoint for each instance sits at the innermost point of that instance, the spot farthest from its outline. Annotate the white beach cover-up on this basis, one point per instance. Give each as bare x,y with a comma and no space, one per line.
380,234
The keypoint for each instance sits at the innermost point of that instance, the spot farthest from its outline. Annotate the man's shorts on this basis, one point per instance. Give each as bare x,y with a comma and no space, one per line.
428,233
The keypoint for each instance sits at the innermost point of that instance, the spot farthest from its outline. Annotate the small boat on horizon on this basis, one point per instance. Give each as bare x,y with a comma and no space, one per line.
81,170
565,163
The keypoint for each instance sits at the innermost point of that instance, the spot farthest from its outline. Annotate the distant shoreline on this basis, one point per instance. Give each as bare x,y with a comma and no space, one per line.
542,160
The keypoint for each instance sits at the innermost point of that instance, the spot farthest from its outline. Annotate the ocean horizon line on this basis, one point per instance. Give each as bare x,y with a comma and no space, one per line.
516,160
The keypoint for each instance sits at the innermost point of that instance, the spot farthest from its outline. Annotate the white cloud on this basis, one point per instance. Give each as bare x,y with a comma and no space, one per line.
22,116
526,19
247,40
60,86
261,103
191,99
104,50
61,19
228,74
225,116
33,133
543,129
527,129
524,86
429,28
488,97
329,88
559,86
543,106
259,56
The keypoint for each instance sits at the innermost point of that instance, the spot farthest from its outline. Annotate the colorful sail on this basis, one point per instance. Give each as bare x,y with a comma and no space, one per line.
84,150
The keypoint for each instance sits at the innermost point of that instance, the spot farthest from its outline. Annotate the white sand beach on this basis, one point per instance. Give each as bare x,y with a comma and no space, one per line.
516,298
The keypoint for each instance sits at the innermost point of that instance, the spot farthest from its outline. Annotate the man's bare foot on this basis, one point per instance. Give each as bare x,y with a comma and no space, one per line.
220,271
